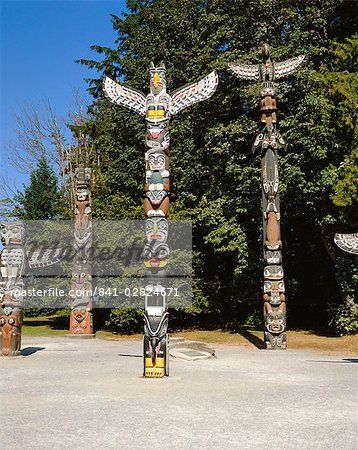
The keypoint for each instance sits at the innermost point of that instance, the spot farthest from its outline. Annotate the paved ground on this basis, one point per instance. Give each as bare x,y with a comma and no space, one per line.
88,394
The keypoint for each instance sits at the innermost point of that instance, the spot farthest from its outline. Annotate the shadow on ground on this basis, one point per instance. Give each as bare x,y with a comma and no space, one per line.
341,361
256,341
27,351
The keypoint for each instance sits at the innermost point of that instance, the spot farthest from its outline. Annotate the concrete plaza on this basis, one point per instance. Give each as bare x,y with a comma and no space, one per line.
65,394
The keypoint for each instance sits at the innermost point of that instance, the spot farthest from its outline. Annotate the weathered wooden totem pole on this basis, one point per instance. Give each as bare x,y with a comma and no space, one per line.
268,141
81,319
157,107
12,266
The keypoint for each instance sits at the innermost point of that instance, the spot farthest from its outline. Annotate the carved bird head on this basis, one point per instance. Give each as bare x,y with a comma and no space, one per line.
157,78
265,51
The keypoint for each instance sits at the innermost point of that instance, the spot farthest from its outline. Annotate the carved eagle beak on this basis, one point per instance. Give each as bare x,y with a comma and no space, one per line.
265,50
156,79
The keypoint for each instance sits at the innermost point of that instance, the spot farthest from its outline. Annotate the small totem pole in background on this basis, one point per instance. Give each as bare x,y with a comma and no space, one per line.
268,141
158,107
81,320
12,266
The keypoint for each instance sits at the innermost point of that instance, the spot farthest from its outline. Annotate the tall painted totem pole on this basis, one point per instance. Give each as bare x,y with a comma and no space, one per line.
12,266
157,107
81,318
268,141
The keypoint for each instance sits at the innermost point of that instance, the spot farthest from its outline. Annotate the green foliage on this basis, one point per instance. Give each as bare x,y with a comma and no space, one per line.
125,320
41,199
346,189
347,273
6,207
340,77
344,318
215,177
47,312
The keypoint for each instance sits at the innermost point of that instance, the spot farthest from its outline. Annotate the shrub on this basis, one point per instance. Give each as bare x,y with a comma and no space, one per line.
125,320
344,318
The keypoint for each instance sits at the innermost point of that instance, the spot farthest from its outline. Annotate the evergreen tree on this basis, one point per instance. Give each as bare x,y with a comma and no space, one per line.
40,199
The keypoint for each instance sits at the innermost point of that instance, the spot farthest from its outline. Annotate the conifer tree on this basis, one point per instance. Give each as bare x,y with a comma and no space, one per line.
40,199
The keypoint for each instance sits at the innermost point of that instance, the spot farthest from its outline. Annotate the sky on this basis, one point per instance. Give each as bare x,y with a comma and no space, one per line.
40,40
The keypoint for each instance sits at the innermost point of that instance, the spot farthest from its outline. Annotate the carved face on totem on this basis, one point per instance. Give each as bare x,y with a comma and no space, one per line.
83,236
157,102
156,197
158,137
272,286
157,109
275,298
81,277
273,272
80,314
157,161
12,233
156,254
274,292
156,229
273,257
82,194
13,294
275,322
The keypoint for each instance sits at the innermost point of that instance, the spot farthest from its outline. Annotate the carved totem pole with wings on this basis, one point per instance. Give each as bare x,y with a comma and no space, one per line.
158,107
268,141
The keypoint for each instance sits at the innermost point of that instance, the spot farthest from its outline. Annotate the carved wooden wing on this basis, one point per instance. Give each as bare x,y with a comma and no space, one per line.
128,97
194,93
246,71
347,242
285,68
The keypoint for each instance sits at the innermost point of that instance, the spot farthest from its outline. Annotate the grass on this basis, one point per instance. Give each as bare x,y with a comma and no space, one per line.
45,326
110,336
309,340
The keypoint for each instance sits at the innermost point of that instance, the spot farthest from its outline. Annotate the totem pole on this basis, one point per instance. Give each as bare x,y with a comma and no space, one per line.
81,320
12,266
157,108
268,142
347,242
